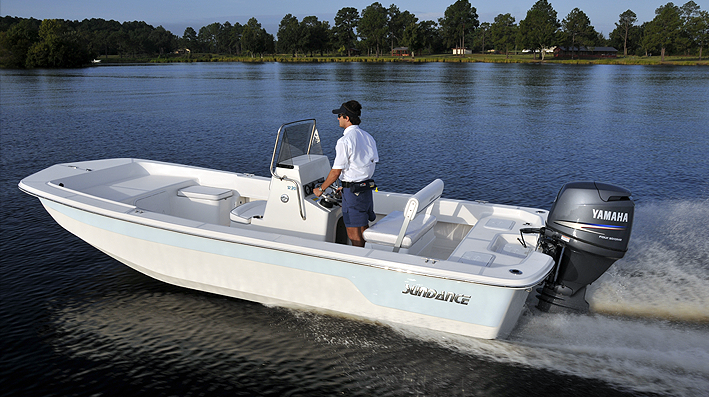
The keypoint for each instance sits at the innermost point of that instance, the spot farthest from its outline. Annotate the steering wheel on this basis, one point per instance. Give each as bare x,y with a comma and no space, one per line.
330,196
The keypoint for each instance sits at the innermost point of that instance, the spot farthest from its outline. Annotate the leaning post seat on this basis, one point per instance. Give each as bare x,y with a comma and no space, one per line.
404,229
245,212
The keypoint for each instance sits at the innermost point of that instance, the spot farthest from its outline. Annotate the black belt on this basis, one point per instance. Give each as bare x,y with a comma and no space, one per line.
361,184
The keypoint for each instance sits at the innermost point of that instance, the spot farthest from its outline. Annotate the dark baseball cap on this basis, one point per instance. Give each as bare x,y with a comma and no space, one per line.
344,110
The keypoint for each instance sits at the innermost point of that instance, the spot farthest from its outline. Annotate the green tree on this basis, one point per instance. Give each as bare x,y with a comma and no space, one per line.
688,11
413,37
96,33
699,30
204,40
314,35
482,36
119,39
134,38
664,30
209,37
57,47
255,39
346,22
234,38
643,42
45,52
538,29
189,39
289,35
617,38
503,33
373,26
163,40
395,27
431,36
459,20
625,24
224,38
577,30
17,41
398,22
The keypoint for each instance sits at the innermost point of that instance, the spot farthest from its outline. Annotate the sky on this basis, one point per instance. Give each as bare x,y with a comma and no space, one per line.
176,15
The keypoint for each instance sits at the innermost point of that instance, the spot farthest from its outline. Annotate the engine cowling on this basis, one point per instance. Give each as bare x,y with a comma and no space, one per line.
587,230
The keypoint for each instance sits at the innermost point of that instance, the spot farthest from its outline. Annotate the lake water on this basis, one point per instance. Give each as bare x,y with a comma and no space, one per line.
76,322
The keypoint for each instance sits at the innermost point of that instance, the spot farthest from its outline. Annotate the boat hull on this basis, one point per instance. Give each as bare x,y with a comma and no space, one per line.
294,272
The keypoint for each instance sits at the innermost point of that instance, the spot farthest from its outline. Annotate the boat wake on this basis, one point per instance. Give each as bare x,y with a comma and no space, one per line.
638,354
664,273
631,354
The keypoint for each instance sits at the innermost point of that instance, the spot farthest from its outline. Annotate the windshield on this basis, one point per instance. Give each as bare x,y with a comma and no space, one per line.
296,139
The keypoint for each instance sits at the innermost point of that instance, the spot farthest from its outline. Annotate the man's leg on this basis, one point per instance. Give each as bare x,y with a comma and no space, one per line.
355,235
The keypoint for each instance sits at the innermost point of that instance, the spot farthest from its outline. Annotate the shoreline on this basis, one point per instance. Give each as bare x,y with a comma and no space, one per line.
634,60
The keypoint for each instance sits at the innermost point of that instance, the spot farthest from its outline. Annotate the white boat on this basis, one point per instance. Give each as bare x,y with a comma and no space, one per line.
463,267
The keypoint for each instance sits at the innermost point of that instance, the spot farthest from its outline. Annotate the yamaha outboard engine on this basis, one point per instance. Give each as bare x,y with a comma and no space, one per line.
587,230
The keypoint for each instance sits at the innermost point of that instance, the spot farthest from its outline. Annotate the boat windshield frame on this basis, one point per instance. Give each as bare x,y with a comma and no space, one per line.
293,140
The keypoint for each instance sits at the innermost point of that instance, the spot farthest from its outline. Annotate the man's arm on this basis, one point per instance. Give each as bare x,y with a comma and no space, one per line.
331,178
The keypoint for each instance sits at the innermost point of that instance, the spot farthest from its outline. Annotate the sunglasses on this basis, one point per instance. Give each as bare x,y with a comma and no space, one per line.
341,116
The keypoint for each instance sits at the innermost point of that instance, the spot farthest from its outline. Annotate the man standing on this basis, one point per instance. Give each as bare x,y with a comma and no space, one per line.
355,158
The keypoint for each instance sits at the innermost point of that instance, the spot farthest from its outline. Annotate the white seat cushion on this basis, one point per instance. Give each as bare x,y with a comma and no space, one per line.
387,229
205,193
246,211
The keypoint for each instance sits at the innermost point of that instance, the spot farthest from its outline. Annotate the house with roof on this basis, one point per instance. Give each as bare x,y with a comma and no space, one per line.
400,52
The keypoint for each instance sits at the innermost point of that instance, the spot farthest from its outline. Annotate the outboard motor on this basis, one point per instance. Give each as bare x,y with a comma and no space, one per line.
587,230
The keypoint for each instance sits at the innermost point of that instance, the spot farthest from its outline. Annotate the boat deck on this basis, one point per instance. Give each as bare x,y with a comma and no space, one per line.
466,232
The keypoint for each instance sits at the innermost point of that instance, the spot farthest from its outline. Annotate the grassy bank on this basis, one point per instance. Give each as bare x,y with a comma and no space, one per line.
489,58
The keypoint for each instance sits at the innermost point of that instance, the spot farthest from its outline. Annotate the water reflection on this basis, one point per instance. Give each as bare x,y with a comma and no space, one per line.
77,322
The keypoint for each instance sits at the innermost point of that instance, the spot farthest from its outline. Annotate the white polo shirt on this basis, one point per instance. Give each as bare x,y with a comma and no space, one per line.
356,155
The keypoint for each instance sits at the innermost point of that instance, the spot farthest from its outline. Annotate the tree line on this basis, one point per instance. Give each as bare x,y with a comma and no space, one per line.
375,30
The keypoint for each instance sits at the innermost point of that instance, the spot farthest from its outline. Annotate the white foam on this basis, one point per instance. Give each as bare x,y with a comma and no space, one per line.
635,354
666,270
